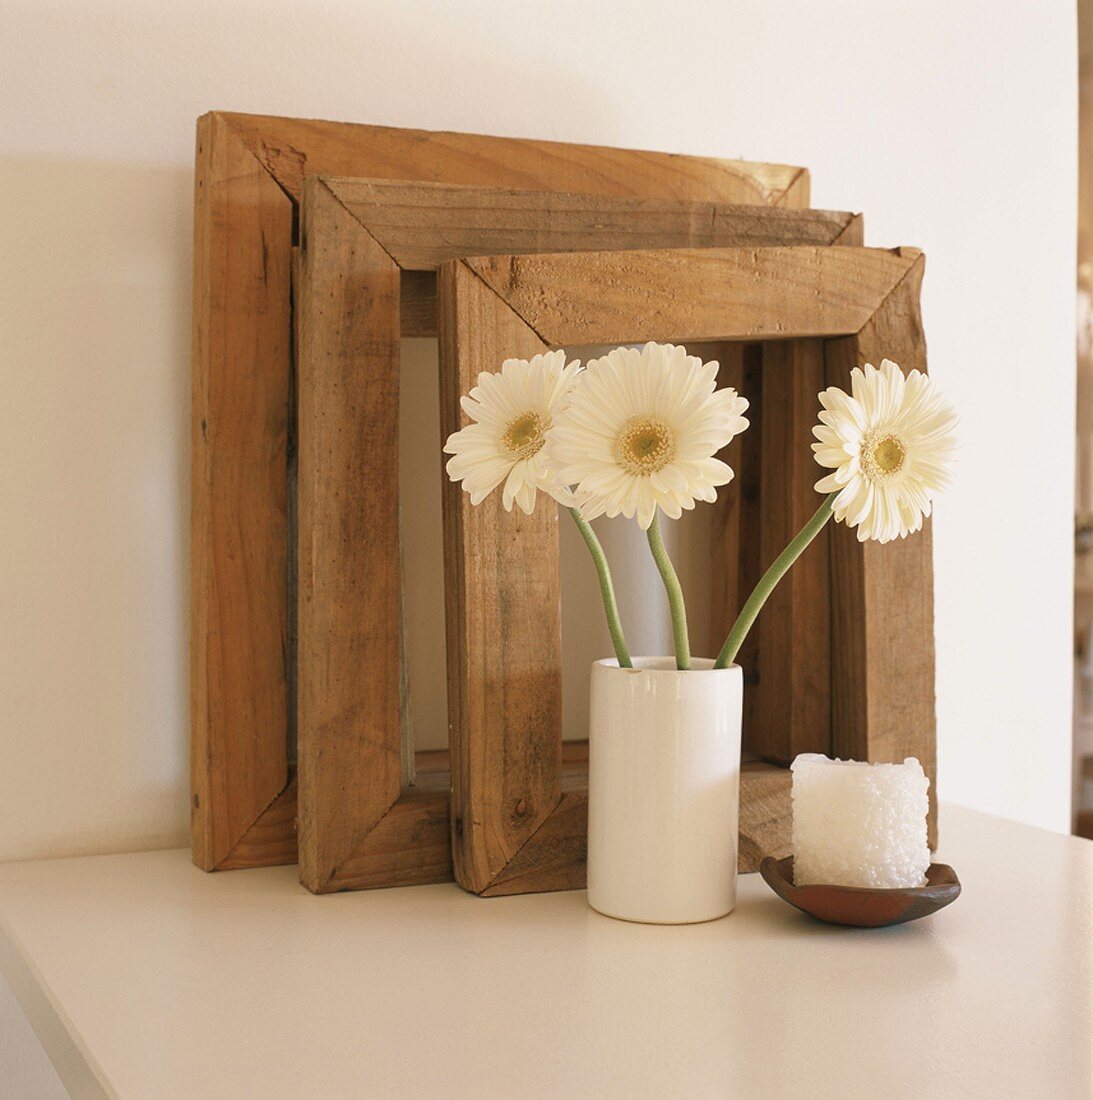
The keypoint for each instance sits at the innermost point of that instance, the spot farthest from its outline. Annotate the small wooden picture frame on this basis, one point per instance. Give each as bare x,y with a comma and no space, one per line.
820,312
250,171
364,247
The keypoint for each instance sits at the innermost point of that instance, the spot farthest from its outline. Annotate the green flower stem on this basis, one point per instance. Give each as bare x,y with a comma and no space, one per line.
769,581
675,594
607,589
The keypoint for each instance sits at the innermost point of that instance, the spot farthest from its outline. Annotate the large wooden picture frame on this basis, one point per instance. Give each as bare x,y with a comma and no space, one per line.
514,828
360,823
249,177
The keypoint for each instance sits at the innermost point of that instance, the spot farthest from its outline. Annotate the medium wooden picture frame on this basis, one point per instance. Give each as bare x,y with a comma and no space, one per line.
360,823
514,828
250,171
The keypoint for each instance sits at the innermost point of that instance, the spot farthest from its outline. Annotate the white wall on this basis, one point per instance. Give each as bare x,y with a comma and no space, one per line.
949,122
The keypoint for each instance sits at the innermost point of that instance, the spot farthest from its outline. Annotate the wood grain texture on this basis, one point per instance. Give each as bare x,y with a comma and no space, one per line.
271,838
882,596
730,518
408,846
797,194
418,307
793,715
356,234
882,707
292,148
788,698
503,600
250,172
766,814
736,528
423,224
238,549
554,857
711,294
348,730
744,540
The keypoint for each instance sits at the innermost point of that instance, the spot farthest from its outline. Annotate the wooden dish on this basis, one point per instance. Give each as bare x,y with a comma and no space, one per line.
861,906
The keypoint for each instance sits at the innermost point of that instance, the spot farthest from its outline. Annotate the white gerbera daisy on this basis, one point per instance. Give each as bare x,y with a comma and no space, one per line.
641,433
890,444
512,412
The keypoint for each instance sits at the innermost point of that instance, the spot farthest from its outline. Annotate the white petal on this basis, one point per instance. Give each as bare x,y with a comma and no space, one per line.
884,402
660,382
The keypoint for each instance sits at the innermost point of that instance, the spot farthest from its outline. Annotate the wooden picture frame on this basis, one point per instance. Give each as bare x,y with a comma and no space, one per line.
249,177
514,828
364,246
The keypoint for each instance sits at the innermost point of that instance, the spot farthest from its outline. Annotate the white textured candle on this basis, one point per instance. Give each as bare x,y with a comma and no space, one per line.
858,824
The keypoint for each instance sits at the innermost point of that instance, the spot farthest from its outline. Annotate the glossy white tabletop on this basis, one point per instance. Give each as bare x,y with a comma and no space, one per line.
148,979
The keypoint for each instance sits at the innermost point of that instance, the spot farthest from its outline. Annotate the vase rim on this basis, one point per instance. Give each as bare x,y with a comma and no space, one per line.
662,665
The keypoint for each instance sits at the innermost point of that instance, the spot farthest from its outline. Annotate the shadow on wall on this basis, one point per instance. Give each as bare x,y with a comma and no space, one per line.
95,495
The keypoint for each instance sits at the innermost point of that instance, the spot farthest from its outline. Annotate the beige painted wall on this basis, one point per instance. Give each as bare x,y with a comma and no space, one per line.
950,122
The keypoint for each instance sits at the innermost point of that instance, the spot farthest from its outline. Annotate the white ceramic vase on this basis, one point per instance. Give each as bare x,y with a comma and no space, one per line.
664,790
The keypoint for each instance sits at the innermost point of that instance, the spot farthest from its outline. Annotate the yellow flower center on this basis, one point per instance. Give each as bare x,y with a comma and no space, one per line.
644,446
882,456
525,436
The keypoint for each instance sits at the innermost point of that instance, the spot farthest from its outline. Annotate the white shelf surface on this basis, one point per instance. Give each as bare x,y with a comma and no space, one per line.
146,978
